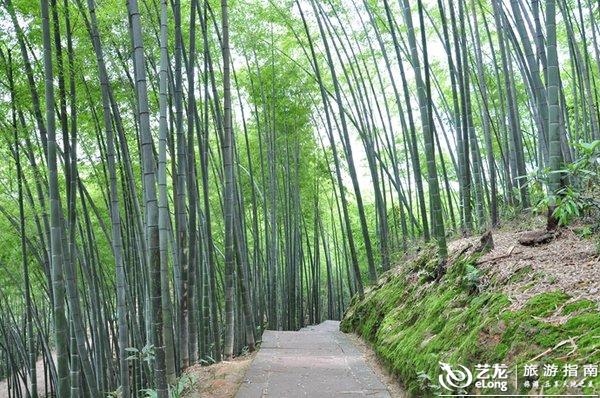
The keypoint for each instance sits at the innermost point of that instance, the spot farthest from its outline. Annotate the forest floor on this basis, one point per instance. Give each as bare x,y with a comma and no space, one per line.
568,264
220,380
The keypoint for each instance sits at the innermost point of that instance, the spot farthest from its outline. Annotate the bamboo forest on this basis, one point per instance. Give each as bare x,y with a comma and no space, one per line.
190,189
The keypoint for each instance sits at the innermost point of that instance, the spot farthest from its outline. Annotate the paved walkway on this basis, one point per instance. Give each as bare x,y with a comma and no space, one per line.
317,361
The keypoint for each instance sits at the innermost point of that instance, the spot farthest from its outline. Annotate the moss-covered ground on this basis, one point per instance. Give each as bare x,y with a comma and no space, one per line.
413,322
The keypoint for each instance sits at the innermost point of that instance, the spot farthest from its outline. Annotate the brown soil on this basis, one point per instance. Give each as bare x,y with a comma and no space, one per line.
220,380
567,263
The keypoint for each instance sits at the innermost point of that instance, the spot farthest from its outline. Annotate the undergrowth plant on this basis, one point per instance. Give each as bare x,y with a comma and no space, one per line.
176,390
580,197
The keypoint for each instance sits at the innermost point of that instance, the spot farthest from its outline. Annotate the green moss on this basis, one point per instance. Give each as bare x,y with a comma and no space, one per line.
413,327
545,304
578,306
520,274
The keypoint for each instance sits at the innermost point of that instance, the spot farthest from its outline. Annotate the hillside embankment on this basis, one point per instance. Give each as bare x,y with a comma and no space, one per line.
512,319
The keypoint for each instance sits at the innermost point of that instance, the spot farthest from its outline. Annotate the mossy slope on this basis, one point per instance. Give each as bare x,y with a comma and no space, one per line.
414,322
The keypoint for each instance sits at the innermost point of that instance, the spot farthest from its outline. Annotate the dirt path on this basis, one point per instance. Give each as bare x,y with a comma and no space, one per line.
39,377
317,361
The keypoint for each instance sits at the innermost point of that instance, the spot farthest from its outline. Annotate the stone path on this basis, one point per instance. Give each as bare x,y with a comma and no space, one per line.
317,361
